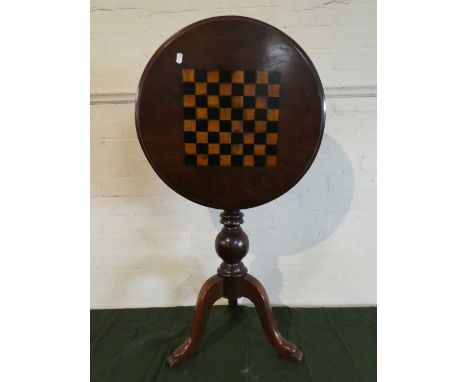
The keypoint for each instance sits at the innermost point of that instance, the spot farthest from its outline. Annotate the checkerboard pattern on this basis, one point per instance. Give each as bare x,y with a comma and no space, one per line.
230,117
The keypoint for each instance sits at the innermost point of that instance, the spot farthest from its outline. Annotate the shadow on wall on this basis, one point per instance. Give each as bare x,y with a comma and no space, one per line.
301,218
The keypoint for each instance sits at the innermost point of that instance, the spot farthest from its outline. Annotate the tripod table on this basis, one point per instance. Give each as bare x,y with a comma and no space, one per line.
230,114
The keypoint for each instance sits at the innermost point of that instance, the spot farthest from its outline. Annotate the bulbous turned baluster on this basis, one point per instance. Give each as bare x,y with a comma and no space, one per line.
232,244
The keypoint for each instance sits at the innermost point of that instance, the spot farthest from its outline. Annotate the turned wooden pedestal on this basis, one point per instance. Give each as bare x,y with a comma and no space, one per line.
230,113
232,282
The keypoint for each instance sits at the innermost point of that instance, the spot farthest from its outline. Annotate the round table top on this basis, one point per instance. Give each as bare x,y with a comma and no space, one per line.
230,112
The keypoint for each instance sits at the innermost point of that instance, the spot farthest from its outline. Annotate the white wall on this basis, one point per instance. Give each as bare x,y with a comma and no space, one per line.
313,246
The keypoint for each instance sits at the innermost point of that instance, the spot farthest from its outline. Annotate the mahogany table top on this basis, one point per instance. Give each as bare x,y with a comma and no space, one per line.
230,112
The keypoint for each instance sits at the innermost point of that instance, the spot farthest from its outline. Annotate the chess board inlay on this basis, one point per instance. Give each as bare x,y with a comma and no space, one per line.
230,117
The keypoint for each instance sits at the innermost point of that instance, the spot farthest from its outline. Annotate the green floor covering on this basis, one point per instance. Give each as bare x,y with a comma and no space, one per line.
339,345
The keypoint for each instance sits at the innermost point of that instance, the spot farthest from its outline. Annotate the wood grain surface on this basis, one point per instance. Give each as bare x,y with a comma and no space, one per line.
235,44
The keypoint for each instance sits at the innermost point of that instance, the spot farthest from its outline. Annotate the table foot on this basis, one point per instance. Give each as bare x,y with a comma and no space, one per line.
255,292
233,302
210,292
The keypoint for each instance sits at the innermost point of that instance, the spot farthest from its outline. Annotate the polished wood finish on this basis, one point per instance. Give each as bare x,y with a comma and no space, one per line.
211,291
230,113
232,282
230,44
231,118
255,292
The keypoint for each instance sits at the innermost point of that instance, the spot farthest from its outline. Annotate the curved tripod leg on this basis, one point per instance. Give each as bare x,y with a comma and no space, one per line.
255,292
211,291
232,302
